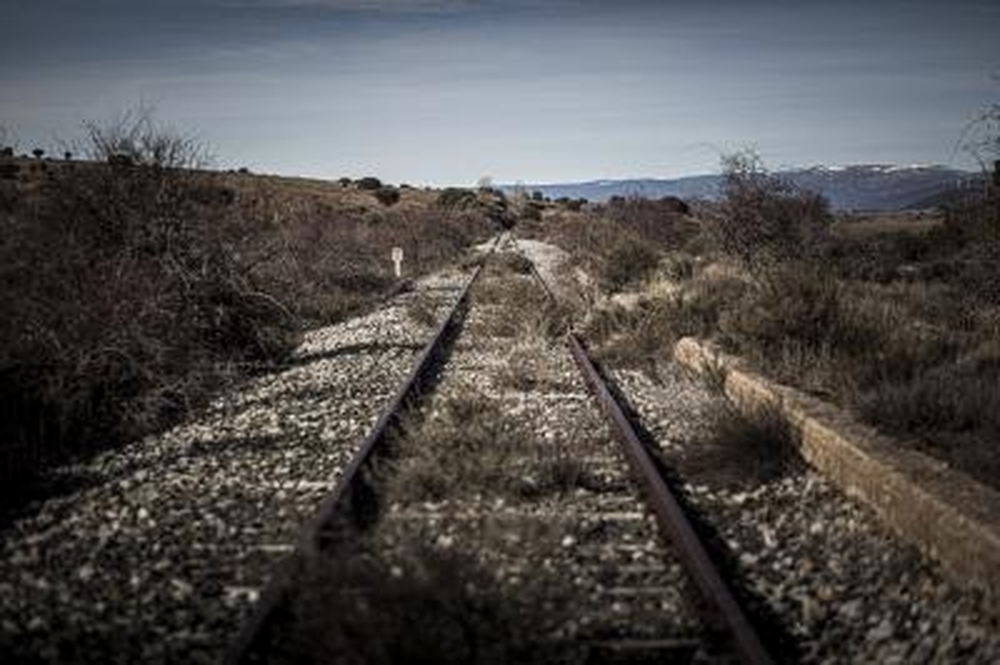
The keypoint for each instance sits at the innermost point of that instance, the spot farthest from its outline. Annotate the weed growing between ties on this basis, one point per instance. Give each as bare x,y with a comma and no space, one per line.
524,371
465,445
403,601
517,307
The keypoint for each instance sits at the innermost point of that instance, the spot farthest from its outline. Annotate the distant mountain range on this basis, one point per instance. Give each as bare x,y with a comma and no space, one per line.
876,187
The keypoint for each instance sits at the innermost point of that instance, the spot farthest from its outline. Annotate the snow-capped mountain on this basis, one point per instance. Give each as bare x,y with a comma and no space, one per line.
852,187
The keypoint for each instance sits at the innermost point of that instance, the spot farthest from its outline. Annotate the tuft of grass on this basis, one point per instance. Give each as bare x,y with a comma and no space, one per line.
465,445
556,470
516,263
412,603
745,449
422,311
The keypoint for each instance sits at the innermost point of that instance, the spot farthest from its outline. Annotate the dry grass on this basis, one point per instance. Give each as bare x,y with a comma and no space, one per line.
517,307
422,310
408,602
465,445
745,448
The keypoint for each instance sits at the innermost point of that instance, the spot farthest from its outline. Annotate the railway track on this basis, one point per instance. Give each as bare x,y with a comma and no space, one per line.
497,516
496,519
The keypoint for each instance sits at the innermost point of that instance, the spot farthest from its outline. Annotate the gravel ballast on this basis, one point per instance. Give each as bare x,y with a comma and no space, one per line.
164,545
831,573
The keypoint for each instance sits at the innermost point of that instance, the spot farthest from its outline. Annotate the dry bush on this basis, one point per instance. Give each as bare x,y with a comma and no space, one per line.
762,218
619,242
637,337
123,294
133,288
135,138
887,325
627,264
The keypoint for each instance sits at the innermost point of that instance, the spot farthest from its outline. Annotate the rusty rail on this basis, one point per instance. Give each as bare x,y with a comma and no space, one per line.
353,488
724,612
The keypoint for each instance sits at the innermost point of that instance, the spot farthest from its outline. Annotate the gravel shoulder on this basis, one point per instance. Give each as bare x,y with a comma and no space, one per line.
837,580
163,546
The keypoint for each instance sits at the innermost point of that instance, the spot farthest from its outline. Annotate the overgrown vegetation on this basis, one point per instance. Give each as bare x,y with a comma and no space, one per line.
134,285
619,242
902,327
410,602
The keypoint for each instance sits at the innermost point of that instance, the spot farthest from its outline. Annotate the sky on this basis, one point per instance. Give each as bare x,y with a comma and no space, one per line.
445,92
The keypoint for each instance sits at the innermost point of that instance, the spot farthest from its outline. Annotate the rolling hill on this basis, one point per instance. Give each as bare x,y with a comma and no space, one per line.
876,187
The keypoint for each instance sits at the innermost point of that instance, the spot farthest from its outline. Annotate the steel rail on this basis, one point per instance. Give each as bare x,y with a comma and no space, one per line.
725,613
352,487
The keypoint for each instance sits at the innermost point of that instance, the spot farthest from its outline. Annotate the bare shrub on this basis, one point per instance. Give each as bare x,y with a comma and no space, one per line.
762,217
627,264
135,137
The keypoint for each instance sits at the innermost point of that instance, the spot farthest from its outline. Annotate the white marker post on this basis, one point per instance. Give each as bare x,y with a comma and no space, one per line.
397,258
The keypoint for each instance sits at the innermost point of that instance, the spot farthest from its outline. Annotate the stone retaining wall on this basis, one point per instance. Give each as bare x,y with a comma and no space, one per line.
949,516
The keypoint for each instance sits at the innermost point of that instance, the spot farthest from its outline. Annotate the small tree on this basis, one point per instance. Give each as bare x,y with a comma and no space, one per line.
136,138
369,183
38,152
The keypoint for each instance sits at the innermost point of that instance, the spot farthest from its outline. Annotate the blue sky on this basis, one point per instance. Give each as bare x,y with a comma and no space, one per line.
446,91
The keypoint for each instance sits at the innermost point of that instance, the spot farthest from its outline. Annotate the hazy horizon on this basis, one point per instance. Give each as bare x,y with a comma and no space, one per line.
444,92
